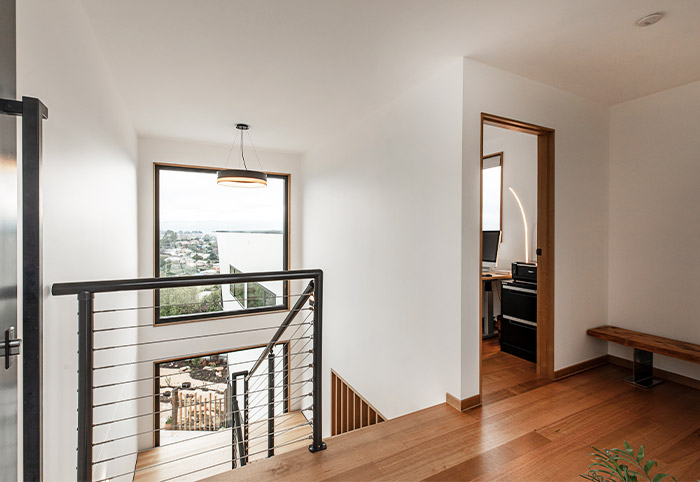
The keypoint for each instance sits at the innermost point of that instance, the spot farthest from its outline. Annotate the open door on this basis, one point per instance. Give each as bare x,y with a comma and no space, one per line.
540,312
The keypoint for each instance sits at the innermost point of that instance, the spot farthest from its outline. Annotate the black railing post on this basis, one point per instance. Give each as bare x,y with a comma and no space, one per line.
246,447
270,404
240,444
318,443
85,366
232,406
239,429
285,378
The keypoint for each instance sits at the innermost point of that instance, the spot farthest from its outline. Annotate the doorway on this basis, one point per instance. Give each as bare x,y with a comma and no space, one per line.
528,329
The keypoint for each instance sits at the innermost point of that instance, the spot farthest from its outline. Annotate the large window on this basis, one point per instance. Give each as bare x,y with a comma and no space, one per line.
203,228
492,193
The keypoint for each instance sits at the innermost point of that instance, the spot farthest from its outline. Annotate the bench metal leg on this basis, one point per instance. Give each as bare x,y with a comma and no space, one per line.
643,370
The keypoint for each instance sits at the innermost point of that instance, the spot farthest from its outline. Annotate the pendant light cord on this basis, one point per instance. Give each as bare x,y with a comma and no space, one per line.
254,150
242,156
228,158
233,145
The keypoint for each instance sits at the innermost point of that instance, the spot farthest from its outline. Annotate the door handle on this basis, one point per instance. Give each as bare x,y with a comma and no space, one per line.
10,347
539,251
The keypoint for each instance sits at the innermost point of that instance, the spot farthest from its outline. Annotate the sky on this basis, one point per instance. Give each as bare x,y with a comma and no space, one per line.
192,201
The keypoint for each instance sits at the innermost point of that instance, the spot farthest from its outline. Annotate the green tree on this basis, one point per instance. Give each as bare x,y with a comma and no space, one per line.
187,301
168,240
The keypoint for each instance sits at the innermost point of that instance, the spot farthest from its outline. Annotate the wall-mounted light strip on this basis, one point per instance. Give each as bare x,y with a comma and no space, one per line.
522,211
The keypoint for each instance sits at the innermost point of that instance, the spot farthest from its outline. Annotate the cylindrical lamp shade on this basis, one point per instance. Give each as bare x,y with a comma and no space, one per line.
241,178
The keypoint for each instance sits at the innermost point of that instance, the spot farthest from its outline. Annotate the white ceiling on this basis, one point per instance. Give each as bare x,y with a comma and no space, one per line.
299,70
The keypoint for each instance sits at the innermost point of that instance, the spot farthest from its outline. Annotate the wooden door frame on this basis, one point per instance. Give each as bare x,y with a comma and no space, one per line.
545,238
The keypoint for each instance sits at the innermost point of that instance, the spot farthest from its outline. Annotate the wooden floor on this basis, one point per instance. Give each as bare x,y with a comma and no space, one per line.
528,429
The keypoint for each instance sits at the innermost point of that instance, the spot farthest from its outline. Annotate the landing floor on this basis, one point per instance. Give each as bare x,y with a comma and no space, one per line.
528,429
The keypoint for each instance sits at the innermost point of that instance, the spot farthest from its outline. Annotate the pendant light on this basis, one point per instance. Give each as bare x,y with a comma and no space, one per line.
241,177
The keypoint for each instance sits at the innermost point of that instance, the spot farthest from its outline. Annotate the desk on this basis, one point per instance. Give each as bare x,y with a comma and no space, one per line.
495,276
487,320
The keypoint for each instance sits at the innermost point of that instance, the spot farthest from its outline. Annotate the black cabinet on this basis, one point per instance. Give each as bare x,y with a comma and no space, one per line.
519,323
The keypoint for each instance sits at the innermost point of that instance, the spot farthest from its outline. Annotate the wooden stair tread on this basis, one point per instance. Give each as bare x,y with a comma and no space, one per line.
656,344
209,453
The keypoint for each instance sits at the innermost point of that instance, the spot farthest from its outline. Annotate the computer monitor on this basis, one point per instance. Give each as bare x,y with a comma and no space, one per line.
490,242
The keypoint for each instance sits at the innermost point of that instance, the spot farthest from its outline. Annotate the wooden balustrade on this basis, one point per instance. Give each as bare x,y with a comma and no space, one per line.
349,409
196,411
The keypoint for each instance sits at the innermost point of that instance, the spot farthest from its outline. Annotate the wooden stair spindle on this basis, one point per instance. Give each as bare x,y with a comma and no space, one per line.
349,410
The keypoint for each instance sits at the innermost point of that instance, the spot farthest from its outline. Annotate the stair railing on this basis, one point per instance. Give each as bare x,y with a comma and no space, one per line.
239,419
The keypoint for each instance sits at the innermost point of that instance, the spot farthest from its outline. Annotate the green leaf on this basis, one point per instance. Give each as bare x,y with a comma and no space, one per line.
625,457
640,454
649,465
605,466
593,476
628,449
659,477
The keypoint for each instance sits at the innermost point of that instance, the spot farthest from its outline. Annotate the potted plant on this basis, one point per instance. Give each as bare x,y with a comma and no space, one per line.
169,423
616,465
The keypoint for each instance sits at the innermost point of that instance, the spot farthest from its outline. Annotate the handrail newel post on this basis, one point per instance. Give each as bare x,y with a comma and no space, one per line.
318,443
271,404
246,435
85,367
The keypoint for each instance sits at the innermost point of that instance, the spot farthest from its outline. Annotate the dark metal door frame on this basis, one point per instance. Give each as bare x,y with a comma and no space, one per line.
33,112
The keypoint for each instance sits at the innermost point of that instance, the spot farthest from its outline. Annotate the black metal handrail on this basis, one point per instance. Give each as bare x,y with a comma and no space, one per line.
86,291
285,324
136,284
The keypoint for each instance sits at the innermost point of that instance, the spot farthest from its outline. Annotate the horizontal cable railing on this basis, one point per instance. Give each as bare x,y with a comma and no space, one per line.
183,403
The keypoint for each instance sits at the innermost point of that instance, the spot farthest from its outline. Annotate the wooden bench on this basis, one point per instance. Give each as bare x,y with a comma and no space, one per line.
645,346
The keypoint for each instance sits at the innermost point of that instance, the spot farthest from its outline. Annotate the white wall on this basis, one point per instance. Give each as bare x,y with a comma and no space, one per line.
520,173
89,194
581,199
382,219
655,219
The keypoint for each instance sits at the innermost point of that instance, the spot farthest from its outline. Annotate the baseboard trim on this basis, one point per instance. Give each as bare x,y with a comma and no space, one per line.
659,373
463,405
580,367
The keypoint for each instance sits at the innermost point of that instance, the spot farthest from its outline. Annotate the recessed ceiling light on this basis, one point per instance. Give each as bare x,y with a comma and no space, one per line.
649,19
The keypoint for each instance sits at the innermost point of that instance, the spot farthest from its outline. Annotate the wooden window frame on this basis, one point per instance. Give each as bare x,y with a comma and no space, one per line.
157,320
285,344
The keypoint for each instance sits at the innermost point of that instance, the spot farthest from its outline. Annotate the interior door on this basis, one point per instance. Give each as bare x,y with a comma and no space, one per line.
8,243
